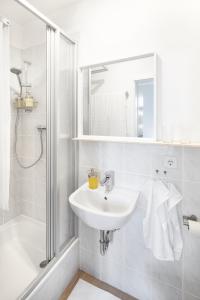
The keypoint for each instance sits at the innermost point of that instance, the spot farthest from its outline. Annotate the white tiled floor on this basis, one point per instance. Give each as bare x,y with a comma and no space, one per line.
85,290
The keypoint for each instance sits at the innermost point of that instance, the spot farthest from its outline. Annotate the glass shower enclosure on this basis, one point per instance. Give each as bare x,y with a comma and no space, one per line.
37,153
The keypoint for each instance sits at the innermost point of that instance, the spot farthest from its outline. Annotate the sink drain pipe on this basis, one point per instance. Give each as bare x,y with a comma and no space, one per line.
106,236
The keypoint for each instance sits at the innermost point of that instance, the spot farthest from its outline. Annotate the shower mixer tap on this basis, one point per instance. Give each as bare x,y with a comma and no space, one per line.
41,127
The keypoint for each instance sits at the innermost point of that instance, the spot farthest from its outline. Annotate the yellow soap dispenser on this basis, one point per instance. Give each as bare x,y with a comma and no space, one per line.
93,179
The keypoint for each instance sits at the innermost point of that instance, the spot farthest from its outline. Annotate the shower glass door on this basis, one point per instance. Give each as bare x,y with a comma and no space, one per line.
23,213
38,222
65,103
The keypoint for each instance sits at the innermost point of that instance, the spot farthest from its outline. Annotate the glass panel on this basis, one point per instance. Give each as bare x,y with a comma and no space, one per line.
23,219
110,98
65,159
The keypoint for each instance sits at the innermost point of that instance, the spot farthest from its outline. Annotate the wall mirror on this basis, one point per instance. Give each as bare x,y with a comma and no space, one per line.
118,98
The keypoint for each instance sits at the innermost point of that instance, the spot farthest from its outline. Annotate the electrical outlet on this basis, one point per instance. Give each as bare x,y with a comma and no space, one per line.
170,162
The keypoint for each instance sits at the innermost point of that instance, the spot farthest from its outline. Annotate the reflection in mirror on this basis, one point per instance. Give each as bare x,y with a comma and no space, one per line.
145,104
119,98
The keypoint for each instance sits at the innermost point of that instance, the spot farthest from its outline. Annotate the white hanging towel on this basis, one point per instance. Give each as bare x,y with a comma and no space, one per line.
4,116
174,224
162,234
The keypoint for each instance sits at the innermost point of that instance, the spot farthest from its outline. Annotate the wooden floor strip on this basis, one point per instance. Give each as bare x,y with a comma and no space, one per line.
96,282
70,287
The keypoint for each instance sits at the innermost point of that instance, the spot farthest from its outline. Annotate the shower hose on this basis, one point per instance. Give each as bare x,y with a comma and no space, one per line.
15,146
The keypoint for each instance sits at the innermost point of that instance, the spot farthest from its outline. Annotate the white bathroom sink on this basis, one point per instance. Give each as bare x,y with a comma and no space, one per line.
97,212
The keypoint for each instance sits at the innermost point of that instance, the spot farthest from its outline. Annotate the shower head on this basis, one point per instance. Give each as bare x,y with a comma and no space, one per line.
15,71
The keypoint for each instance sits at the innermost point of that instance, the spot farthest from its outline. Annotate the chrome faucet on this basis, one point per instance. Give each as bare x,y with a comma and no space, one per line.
108,181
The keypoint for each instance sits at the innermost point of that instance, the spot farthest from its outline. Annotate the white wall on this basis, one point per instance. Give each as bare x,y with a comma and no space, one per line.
110,29
16,36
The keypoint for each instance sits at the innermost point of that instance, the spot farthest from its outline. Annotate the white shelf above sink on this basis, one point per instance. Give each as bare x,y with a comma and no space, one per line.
132,140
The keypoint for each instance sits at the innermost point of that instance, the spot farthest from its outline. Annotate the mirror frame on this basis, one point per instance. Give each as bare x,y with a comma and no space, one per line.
82,136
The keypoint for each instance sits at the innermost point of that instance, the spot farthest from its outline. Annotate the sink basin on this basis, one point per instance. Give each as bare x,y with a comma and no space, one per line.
92,208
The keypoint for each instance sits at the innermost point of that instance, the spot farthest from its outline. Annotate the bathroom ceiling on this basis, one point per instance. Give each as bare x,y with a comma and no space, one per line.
13,11
48,6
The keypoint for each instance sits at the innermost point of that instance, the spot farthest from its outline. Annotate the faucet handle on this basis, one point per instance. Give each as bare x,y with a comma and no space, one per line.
111,175
109,180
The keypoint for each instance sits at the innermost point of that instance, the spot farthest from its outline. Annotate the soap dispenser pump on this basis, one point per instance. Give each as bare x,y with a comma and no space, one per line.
93,179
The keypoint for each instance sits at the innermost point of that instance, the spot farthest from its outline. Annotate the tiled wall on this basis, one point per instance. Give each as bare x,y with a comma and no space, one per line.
28,186
14,204
33,180
128,265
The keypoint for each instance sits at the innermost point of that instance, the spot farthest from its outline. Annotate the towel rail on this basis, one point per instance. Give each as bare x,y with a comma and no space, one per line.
186,220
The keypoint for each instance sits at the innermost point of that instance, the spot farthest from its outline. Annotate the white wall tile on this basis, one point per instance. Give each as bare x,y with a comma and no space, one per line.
88,237
112,272
136,284
136,256
191,164
137,159
133,169
130,180
168,272
161,291
110,154
28,185
89,155
191,202
191,263
88,260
